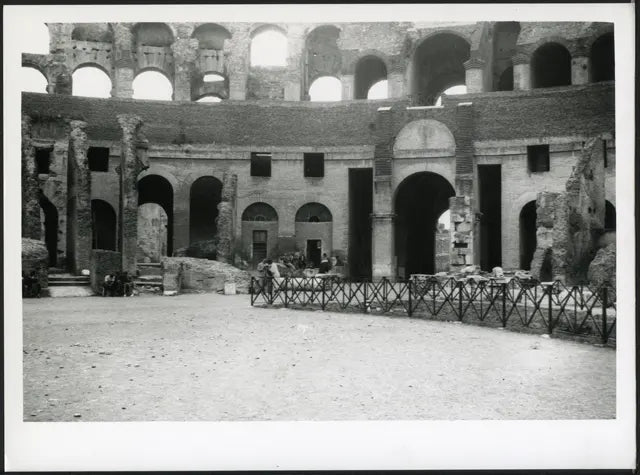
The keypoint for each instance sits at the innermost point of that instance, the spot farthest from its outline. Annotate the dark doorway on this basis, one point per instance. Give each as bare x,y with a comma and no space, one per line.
360,208
551,66
490,191
609,216
528,239
156,189
103,225
603,59
314,249
203,208
50,228
420,200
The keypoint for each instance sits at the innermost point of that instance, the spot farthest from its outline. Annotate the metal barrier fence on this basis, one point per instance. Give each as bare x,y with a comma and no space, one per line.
546,306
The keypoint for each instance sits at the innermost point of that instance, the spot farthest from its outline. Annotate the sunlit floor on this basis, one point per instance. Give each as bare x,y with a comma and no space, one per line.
212,357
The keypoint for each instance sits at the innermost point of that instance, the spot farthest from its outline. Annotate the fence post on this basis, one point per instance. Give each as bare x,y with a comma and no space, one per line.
323,293
251,290
459,284
410,310
503,286
605,302
270,284
550,309
286,292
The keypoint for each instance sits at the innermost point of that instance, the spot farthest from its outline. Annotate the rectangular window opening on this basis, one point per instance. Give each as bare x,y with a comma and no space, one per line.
538,158
98,159
314,165
260,164
43,160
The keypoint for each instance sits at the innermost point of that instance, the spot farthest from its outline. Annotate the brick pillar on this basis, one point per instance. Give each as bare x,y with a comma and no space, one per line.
133,160
238,63
396,84
462,206
474,75
226,218
123,63
347,81
293,78
521,73
185,52
79,200
580,70
31,226
60,81
382,219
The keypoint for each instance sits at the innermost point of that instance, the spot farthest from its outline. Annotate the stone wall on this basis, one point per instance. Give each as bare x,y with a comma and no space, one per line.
203,274
103,263
30,205
35,257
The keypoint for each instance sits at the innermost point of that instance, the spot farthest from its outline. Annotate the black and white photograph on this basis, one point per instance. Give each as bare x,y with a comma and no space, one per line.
358,238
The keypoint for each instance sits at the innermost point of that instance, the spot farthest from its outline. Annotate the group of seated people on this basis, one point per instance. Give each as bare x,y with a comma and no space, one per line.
119,284
296,264
30,285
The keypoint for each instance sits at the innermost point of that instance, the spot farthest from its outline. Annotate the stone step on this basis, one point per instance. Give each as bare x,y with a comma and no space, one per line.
68,291
68,279
149,270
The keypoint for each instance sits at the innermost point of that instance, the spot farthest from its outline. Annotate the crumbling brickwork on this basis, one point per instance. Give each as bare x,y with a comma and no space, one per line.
225,222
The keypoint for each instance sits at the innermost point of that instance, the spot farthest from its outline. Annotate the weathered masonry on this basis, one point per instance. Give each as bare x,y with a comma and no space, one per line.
266,171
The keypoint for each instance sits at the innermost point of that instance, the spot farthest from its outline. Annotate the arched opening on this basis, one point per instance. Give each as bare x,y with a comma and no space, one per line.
603,59
528,229
551,66
50,226
152,34
325,89
212,78
259,231
38,40
379,90
210,98
438,63
32,80
268,47
314,231
152,233
203,208
369,71
89,81
103,225
505,38
420,201
99,32
323,56
152,85
452,91
157,189
609,216
211,36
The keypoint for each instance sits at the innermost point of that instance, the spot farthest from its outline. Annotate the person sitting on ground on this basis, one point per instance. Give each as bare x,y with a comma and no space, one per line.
109,285
325,267
118,285
127,285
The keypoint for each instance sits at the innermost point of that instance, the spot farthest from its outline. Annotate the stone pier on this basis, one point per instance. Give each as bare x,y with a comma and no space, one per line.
225,222
31,226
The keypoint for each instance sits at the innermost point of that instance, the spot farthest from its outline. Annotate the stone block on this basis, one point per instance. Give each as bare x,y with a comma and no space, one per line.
35,258
603,266
203,274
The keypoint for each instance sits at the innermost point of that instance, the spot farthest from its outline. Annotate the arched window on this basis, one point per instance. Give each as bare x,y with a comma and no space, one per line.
505,81
90,81
152,85
103,225
438,64
379,90
323,56
99,32
313,213
259,212
203,208
269,47
152,34
211,36
369,71
551,66
209,98
211,78
325,88
452,91
32,80
603,59
38,40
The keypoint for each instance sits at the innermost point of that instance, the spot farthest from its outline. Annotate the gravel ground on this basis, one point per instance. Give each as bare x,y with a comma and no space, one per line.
211,357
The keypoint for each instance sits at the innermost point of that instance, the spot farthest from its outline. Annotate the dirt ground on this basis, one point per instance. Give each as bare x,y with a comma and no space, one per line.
211,357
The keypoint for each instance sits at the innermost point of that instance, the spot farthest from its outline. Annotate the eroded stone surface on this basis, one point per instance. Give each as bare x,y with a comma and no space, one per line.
203,274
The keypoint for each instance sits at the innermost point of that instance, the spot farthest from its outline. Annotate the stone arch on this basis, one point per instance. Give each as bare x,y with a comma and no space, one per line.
505,39
419,201
91,80
98,32
314,231
313,213
437,64
323,56
155,188
259,211
103,225
528,228
211,36
368,71
204,197
259,231
425,134
201,86
551,65
152,84
325,88
152,34
602,54
33,80
273,51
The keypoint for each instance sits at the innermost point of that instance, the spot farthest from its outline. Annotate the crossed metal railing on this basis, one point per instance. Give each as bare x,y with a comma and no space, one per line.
587,311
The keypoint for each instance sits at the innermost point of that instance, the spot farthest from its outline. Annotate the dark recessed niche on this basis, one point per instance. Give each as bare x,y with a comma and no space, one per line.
98,159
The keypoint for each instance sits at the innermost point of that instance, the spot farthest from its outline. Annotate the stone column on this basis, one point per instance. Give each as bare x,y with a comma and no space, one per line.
133,159
237,61
79,229
521,73
580,71
31,226
59,76
293,79
123,62
347,81
185,52
225,222
474,75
